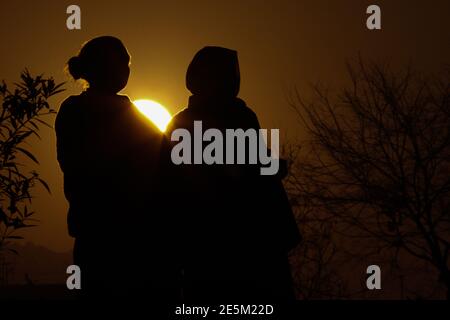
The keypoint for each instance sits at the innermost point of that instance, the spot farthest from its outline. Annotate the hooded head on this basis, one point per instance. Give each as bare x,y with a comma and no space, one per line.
214,72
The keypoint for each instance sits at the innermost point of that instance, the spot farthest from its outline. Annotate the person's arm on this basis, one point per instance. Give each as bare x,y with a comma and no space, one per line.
67,148
288,233
68,127
283,170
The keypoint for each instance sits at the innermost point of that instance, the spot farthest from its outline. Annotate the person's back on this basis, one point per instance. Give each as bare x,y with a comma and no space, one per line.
108,153
229,225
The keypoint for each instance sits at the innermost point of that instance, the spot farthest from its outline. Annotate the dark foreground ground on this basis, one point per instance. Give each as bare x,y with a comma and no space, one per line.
36,292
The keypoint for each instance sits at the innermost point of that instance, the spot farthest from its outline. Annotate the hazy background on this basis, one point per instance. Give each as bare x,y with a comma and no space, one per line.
281,45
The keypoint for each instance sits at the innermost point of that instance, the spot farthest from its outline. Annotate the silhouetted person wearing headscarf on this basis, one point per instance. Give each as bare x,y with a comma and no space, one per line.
236,226
108,153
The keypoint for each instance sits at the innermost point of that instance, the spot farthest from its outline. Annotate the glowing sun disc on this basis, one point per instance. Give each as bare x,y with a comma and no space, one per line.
155,112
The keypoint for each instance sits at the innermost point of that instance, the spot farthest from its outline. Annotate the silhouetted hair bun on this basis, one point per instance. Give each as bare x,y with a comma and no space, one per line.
96,58
75,68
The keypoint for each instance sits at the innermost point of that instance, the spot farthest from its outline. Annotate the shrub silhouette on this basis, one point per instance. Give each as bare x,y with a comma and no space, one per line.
23,108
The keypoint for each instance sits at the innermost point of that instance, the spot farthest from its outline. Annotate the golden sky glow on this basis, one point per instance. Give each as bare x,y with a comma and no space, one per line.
155,112
282,45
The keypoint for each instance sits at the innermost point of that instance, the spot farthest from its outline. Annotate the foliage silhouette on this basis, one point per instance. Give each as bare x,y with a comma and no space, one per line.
23,109
376,166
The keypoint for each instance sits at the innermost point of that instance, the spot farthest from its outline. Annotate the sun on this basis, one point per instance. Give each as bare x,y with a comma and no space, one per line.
155,112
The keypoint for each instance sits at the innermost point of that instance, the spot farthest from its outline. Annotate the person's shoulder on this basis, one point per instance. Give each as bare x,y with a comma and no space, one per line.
69,105
180,117
69,101
124,103
67,111
124,99
129,115
121,101
182,113
243,107
246,113
250,113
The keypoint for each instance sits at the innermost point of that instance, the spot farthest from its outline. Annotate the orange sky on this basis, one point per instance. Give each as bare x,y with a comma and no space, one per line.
281,44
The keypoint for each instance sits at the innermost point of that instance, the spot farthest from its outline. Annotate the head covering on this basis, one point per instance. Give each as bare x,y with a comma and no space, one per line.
214,72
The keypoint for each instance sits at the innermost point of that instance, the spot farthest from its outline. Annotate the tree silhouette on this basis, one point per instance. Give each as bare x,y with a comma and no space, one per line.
23,108
376,166
314,263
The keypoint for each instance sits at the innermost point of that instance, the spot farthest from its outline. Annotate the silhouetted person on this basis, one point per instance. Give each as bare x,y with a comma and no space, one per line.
236,226
108,153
